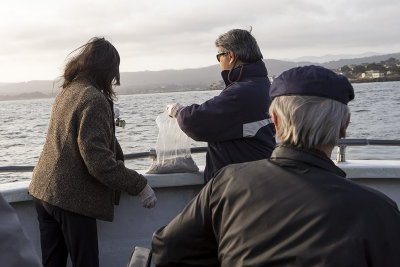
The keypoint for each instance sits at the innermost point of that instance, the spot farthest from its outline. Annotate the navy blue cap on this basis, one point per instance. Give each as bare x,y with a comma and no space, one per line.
314,81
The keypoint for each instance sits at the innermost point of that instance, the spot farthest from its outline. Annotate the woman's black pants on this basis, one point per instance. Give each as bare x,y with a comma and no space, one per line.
63,232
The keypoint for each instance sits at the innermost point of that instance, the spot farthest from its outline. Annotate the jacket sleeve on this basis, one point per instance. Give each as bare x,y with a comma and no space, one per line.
15,248
119,154
188,240
95,141
218,119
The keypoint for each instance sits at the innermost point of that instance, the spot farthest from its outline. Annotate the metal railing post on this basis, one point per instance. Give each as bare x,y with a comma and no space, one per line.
341,153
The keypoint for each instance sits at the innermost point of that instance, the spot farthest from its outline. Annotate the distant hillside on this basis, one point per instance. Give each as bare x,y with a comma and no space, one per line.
357,61
27,90
328,58
202,78
171,80
33,95
168,80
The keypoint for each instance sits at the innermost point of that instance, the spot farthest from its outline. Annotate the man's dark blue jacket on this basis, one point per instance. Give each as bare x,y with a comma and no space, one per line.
235,123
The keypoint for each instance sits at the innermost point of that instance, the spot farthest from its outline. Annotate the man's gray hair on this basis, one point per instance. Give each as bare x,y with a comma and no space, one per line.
309,121
241,43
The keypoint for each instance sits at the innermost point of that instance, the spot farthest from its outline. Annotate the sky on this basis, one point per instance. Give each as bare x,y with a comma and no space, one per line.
37,36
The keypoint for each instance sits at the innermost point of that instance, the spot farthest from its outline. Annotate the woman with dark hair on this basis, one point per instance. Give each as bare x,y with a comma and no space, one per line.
81,171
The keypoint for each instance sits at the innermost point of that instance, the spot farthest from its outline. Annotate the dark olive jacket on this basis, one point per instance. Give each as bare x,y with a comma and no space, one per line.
296,209
80,168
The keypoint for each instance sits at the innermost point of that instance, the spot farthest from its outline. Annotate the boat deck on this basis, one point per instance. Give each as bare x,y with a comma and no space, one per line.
134,225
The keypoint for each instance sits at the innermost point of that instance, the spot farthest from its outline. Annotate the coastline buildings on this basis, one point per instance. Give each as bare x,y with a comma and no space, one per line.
388,70
372,74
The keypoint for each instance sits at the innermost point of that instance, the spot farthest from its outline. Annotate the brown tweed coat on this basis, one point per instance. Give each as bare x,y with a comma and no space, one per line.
78,168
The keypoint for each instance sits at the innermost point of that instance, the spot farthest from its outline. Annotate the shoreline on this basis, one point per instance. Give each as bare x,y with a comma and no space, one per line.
373,80
43,96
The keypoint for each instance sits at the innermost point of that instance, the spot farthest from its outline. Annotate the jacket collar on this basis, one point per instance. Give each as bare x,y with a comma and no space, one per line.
316,158
256,69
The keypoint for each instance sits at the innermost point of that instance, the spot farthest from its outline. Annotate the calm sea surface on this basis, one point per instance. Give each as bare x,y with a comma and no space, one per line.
375,115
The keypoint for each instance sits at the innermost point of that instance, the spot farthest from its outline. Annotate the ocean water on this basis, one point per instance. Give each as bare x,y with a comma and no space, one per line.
375,115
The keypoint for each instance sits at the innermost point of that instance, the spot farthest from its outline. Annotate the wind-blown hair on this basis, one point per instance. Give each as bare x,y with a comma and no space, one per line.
241,43
97,62
309,121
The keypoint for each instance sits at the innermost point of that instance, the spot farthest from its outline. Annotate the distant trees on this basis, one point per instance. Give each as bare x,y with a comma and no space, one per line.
390,68
394,69
346,70
358,70
391,62
392,65
377,66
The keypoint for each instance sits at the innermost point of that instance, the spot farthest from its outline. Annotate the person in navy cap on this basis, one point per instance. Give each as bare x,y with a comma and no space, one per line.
235,124
296,208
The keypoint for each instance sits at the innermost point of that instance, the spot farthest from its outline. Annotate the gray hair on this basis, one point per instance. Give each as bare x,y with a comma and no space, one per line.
241,43
309,121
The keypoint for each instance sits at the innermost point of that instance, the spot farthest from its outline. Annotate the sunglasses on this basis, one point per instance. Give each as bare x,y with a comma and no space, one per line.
221,54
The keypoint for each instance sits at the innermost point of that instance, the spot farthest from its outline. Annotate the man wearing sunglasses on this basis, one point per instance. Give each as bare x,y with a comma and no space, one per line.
235,123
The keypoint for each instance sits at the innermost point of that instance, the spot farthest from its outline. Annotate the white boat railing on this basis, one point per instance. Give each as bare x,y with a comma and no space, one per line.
343,143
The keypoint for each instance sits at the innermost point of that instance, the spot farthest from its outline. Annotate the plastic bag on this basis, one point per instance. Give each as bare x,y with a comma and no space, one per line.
172,148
